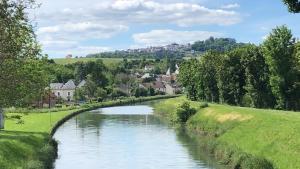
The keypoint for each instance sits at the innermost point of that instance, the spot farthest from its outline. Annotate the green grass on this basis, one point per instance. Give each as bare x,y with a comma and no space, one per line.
106,61
270,134
26,145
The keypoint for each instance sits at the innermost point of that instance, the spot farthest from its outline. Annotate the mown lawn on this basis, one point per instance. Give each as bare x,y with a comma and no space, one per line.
271,134
24,142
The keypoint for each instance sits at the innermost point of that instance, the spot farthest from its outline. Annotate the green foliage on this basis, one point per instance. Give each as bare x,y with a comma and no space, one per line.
183,113
203,105
293,5
258,91
22,77
278,51
101,93
264,77
209,63
140,92
189,78
90,87
216,44
80,94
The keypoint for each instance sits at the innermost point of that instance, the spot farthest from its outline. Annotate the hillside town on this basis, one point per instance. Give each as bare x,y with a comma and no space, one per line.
162,84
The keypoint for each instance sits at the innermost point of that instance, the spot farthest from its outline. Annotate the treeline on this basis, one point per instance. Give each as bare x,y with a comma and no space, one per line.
142,54
216,44
265,76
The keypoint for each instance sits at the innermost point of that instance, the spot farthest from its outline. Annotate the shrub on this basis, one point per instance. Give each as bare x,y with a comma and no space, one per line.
33,164
18,117
247,161
184,112
203,105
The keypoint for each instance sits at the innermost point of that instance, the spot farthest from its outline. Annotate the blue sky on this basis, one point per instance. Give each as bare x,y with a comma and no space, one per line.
81,27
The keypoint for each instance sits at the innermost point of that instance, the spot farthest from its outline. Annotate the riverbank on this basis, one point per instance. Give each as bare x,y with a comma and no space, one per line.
243,137
25,141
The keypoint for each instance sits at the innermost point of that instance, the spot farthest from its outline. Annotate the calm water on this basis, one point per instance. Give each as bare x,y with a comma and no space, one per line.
127,137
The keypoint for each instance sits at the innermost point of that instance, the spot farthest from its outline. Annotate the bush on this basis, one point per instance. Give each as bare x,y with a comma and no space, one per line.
203,105
247,161
184,112
34,165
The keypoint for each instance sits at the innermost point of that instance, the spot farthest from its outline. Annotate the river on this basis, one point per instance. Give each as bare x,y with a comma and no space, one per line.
126,137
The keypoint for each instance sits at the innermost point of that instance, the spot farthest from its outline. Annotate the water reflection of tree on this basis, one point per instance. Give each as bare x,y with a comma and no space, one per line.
89,122
196,147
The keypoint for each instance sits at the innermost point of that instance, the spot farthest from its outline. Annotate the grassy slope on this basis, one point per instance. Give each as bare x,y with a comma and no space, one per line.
274,135
107,61
21,143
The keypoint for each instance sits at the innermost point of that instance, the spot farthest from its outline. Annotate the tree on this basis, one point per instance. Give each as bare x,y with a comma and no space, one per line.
188,76
232,78
101,93
90,87
257,78
278,51
210,62
19,53
79,94
293,5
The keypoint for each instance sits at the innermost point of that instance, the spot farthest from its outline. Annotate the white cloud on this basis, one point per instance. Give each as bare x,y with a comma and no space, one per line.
164,37
70,22
82,30
231,6
63,47
144,11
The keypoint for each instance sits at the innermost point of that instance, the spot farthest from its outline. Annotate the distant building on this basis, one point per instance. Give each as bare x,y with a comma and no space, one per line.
157,86
146,75
172,89
65,91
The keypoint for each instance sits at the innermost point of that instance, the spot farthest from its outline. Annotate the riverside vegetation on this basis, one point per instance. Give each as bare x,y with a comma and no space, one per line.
240,137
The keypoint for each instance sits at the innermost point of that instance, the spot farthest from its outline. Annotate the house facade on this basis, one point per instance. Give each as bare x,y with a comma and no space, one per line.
66,91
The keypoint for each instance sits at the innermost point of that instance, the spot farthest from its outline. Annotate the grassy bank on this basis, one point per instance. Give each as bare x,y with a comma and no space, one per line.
25,141
244,137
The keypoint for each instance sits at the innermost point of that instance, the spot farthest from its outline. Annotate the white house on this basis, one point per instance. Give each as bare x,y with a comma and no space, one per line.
172,89
66,91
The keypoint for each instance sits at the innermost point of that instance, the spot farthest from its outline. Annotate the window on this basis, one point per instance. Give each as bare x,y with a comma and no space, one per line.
58,94
69,93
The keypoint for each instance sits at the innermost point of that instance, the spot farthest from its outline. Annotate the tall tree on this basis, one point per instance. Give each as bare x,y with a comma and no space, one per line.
278,51
210,62
293,5
19,53
257,78
232,79
188,77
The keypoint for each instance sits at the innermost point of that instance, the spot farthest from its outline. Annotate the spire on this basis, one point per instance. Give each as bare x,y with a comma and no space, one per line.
168,72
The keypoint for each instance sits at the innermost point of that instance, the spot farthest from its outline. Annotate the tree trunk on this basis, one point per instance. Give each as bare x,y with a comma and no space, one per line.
1,118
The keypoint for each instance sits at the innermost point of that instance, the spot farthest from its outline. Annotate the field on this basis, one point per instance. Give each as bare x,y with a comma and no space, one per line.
24,142
107,61
269,134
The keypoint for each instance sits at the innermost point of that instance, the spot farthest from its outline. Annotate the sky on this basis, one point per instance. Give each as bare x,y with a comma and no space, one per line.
81,27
